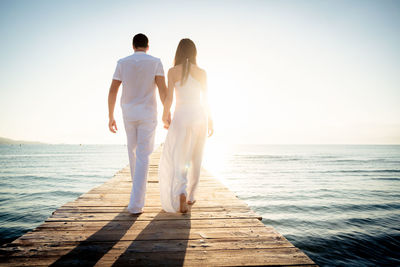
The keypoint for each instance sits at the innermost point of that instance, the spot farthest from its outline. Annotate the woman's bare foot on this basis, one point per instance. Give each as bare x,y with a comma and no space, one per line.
183,205
191,202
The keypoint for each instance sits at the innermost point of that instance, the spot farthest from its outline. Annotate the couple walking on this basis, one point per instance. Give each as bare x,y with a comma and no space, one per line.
180,162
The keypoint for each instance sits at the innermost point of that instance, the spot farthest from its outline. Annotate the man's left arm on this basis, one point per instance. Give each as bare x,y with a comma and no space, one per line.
160,81
162,87
162,90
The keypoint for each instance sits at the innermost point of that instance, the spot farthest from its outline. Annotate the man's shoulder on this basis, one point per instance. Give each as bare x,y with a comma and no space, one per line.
127,58
121,60
139,57
152,57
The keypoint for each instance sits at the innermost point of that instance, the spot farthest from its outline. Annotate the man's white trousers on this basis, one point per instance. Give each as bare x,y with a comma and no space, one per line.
140,141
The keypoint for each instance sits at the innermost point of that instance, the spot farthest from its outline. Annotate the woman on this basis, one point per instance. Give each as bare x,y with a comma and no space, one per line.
180,162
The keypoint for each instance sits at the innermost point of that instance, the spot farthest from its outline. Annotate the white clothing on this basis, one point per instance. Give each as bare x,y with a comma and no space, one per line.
140,142
137,73
183,148
139,108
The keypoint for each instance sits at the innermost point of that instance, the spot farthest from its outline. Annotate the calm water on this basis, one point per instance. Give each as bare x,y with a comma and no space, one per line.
340,204
37,179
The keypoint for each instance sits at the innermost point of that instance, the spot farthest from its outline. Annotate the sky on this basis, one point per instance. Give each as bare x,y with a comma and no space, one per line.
279,72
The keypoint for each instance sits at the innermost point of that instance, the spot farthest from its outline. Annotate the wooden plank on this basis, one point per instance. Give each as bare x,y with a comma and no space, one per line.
96,230
215,223
80,209
63,247
72,216
228,257
150,234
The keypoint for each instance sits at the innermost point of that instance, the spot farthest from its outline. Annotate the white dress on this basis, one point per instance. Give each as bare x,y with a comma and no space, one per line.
180,162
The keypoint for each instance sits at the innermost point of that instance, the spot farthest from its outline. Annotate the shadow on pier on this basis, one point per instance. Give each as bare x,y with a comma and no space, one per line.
152,246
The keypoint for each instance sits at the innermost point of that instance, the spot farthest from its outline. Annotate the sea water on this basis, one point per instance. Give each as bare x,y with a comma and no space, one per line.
37,179
340,204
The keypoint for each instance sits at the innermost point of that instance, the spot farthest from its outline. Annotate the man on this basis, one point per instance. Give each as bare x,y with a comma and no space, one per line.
139,74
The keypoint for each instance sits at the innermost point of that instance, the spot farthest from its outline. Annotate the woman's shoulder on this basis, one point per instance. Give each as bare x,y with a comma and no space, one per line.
200,69
175,69
172,70
173,74
203,75
201,72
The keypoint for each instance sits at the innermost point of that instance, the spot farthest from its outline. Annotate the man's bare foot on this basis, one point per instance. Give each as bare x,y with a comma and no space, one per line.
191,202
183,205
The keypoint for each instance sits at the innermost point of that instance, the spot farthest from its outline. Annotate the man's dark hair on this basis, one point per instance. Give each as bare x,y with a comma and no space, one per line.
140,40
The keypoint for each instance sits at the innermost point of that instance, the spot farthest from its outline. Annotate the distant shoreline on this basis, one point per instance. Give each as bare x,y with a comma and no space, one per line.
8,141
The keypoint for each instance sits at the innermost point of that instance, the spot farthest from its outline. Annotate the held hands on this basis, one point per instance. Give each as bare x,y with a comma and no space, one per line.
166,119
112,125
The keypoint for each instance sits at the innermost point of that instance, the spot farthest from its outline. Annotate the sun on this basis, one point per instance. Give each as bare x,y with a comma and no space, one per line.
227,107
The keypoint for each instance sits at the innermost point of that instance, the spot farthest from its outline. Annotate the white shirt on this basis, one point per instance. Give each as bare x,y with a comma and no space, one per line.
137,73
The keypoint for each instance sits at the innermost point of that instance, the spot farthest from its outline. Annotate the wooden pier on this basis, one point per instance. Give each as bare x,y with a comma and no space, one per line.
96,230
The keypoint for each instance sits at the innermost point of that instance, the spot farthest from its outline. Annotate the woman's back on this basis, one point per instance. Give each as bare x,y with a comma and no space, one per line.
189,91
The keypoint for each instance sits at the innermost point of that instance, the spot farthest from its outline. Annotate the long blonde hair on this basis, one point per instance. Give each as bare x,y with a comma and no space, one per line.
185,54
